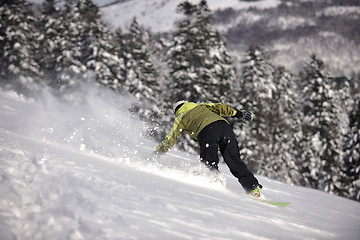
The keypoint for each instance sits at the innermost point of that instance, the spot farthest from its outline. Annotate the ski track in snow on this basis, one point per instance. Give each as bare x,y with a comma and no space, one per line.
97,183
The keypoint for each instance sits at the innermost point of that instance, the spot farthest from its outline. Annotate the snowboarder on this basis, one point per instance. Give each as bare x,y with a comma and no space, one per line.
204,123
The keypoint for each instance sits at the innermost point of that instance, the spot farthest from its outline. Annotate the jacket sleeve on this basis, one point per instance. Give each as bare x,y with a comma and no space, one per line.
171,137
222,109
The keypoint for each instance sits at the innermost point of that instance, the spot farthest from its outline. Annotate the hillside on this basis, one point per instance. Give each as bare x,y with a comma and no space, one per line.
73,167
292,30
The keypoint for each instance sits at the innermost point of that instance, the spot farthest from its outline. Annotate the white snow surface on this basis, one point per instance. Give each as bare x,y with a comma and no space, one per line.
73,166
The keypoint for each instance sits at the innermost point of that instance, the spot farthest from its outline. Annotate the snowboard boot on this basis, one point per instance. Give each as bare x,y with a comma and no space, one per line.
256,191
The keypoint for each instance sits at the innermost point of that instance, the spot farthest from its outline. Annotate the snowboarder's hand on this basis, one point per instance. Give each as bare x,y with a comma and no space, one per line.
160,150
244,116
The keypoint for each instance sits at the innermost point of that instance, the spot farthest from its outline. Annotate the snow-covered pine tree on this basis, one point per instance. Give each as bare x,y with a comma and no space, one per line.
257,90
216,75
321,142
352,155
342,87
120,46
199,61
284,129
158,59
69,67
352,150
141,74
48,26
180,56
98,49
142,77
17,42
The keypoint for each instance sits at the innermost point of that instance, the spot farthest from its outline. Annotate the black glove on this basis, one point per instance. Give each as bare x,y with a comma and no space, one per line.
244,116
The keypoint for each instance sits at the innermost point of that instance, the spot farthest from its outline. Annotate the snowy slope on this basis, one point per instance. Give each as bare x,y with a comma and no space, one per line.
73,167
160,15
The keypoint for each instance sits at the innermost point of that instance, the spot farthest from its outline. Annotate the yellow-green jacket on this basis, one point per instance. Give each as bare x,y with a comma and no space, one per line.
192,118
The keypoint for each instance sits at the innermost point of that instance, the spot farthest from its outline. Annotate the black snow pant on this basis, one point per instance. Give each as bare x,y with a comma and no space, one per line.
220,135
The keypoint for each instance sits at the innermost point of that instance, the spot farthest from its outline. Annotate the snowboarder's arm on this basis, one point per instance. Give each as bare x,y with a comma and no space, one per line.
171,137
222,109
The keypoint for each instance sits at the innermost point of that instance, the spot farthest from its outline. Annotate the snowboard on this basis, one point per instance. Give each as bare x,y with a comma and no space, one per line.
220,180
273,203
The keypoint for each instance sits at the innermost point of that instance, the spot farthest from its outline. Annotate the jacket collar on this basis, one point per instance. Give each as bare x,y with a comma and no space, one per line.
187,106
